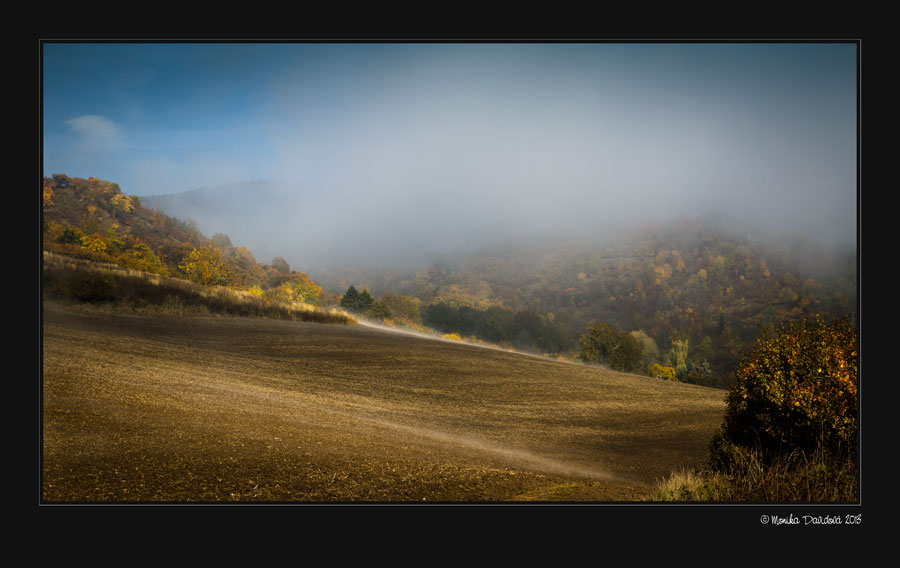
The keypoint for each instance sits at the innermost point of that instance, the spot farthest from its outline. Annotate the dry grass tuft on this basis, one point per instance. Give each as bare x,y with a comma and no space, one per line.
818,477
691,485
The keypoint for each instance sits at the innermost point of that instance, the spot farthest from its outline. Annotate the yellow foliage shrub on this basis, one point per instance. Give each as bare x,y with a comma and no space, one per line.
661,372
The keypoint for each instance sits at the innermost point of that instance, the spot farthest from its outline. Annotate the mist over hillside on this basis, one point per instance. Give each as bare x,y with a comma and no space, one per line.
380,154
708,286
316,229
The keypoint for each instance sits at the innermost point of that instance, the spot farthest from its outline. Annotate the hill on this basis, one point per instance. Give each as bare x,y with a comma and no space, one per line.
238,409
696,292
262,215
691,286
91,219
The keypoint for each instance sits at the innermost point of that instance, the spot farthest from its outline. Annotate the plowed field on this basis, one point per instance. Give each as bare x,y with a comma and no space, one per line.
212,409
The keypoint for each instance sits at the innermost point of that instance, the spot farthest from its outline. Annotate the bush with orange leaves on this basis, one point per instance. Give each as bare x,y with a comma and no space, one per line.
796,392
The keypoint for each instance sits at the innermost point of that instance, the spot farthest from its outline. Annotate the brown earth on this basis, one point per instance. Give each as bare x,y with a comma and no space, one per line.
208,409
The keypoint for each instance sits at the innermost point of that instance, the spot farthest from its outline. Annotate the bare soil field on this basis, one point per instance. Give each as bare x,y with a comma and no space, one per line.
217,409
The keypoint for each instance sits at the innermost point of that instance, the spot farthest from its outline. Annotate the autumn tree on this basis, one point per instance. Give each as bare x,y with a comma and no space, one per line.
70,235
603,343
222,242
94,242
305,289
678,356
206,266
281,265
378,310
123,202
403,308
649,349
47,193
662,372
496,325
796,391
141,257
245,269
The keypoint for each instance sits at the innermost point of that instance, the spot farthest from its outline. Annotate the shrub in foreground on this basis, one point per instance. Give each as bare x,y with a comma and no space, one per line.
796,392
790,428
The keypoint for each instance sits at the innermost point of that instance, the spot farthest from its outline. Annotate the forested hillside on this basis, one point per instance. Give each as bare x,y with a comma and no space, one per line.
692,294
92,219
684,301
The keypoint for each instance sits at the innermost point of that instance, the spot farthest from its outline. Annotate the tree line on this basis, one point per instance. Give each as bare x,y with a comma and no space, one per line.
702,294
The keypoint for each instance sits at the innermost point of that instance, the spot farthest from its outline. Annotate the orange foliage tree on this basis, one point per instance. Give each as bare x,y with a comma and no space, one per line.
206,266
798,390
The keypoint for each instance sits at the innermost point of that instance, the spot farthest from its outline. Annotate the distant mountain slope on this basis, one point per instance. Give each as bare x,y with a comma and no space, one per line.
302,224
236,210
213,203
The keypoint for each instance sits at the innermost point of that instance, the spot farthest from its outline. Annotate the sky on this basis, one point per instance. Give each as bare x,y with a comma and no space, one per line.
408,147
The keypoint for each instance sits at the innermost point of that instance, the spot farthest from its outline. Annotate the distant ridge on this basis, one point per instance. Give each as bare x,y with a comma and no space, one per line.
195,203
257,213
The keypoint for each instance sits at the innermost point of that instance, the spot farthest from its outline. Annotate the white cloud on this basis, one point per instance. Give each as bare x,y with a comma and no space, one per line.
97,132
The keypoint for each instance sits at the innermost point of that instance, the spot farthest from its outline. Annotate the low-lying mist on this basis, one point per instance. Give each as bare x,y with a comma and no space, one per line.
316,229
383,154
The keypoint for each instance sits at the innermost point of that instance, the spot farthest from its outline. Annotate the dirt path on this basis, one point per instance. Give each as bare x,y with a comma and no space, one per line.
220,409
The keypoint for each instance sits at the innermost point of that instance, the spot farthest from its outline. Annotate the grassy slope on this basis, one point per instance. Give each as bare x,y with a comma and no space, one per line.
76,280
218,409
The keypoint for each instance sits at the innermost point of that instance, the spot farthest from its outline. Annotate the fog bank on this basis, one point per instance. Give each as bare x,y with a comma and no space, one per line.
382,153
